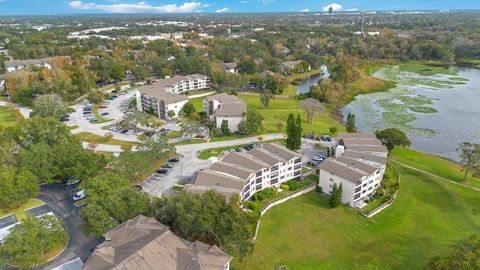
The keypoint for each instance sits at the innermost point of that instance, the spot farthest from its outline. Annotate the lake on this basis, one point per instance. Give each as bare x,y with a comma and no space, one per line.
437,111
304,85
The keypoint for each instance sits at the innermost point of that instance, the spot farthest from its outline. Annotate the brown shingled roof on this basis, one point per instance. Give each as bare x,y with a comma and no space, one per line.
144,243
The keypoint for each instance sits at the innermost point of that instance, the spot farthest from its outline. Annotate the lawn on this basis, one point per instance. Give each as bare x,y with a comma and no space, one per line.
427,219
8,116
297,76
93,138
20,211
432,164
197,103
280,108
100,118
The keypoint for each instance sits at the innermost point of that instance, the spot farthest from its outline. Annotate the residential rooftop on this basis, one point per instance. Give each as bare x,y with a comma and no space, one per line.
342,170
144,243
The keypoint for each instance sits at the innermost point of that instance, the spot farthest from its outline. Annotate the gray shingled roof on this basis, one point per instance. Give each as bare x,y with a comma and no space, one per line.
211,178
158,92
357,164
281,151
266,156
365,156
233,169
245,160
342,170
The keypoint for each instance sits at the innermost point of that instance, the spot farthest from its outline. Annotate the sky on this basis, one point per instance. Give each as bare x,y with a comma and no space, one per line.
46,7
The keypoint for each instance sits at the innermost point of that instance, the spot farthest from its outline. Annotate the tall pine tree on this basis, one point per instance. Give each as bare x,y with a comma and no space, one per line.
291,132
336,196
351,123
298,135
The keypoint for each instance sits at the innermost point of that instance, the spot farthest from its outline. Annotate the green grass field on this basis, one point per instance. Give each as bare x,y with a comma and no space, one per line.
93,138
197,103
20,211
427,219
432,164
278,110
7,119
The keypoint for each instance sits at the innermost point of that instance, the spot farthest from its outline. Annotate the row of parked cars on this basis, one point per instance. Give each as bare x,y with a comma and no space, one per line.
164,168
324,138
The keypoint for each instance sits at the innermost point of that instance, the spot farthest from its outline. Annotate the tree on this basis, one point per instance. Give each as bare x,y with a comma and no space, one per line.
132,164
336,195
466,255
28,241
311,106
208,217
252,123
333,130
191,128
188,109
16,186
265,97
469,158
139,73
111,201
224,128
291,131
392,137
298,133
109,136
351,126
50,105
171,114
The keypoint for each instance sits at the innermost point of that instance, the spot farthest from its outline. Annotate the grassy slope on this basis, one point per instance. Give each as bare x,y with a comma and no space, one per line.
7,118
432,164
20,211
197,103
428,217
278,110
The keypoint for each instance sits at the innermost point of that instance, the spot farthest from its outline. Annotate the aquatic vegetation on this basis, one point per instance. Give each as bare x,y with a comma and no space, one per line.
400,106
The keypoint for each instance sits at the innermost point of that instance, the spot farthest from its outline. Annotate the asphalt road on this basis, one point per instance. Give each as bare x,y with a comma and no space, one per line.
58,197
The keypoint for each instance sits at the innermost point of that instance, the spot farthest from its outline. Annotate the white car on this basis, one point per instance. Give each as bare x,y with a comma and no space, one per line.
318,158
130,132
80,195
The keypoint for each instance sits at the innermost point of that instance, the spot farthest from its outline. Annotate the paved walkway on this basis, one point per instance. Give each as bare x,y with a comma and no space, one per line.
25,111
435,176
201,95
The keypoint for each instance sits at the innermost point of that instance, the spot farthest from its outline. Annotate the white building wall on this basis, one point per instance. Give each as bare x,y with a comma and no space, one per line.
327,180
233,122
176,107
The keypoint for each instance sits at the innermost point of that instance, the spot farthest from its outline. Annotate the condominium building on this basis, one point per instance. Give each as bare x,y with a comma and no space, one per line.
154,99
181,84
144,243
224,107
244,173
359,165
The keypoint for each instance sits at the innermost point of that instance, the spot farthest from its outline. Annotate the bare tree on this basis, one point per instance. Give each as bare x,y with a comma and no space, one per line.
311,106
109,136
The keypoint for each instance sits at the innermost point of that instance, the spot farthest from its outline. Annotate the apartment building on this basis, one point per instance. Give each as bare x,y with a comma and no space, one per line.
359,165
154,99
181,84
224,107
231,68
144,243
17,65
245,173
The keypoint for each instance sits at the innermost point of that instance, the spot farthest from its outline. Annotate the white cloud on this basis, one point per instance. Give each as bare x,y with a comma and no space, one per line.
138,7
244,1
352,9
305,10
334,6
222,10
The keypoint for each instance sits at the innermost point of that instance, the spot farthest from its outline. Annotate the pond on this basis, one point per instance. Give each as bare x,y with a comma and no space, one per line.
438,110
304,85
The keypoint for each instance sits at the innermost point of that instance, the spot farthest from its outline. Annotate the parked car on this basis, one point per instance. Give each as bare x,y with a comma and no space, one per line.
167,166
72,182
313,163
80,195
104,114
161,171
130,132
173,160
123,131
238,150
199,136
318,158
248,147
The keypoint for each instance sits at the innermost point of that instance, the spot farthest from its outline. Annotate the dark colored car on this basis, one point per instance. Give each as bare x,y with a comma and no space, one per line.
161,171
173,160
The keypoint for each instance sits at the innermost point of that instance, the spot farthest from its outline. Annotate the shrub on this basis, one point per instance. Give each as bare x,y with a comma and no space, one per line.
284,187
264,194
251,205
294,185
318,189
